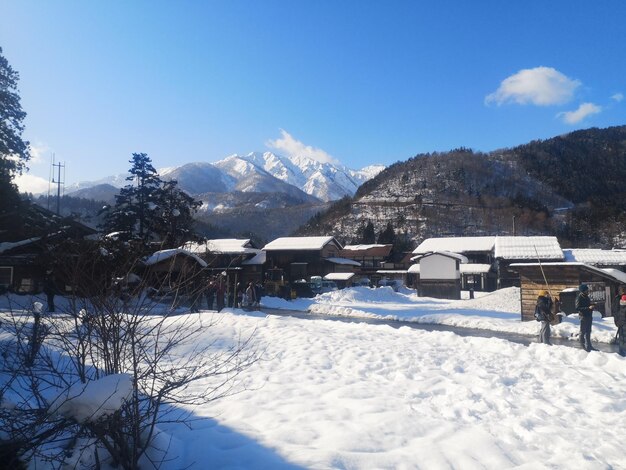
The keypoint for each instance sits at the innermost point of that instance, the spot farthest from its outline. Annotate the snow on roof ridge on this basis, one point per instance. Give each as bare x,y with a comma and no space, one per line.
162,255
299,243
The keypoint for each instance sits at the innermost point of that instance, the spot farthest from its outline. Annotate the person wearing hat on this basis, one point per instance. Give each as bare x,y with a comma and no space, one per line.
543,311
584,307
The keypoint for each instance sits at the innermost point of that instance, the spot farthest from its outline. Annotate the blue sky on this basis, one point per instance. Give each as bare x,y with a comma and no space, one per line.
361,82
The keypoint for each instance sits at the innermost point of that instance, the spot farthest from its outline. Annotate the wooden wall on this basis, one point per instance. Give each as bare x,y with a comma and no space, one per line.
559,278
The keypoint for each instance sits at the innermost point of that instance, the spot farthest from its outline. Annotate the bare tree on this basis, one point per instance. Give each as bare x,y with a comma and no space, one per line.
115,330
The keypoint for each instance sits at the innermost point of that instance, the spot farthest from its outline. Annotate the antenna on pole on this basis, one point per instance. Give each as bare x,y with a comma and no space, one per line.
58,181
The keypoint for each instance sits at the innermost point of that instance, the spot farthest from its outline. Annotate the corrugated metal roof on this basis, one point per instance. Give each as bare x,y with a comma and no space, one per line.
596,256
456,244
299,243
531,248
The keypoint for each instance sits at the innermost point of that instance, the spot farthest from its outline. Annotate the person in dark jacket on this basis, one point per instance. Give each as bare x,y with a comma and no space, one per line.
50,289
543,313
584,307
210,294
220,290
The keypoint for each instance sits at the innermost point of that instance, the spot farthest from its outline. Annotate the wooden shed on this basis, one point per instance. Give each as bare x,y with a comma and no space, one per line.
564,279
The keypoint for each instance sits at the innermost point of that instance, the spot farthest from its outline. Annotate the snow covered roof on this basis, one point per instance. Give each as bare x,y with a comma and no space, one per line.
391,271
448,254
221,245
596,256
346,261
528,248
474,268
7,246
414,268
376,251
456,244
338,276
259,258
162,255
616,273
613,274
299,243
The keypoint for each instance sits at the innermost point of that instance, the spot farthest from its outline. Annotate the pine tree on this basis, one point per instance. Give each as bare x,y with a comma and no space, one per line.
151,209
174,219
387,236
369,234
14,151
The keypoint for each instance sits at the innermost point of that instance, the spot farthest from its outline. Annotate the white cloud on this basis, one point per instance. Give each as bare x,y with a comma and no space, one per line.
584,110
618,97
541,86
31,184
38,152
292,147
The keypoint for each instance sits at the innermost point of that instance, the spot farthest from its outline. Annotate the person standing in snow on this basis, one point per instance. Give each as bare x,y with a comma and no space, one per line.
210,294
219,293
543,314
619,316
584,307
50,288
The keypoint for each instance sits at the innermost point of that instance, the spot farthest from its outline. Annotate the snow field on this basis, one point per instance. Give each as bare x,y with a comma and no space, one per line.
334,395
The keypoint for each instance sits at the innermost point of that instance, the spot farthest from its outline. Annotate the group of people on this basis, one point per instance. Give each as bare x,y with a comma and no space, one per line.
219,295
544,313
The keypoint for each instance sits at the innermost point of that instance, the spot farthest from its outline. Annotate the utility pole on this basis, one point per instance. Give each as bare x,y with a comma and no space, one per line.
58,181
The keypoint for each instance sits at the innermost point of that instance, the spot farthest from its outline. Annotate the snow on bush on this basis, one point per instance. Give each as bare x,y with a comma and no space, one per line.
90,401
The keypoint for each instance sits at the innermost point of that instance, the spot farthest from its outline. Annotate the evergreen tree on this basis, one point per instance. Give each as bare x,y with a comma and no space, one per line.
369,234
151,209
387,236
14,152
174,219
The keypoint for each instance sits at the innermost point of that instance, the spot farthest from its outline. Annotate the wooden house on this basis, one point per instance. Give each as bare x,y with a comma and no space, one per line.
371,258
24,263
562,279
302,257
170,270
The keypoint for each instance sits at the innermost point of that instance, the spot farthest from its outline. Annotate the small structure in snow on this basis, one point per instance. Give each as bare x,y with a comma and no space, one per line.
440,275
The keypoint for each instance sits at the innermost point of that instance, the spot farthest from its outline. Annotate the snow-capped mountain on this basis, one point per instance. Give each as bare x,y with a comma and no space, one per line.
324,181
258,172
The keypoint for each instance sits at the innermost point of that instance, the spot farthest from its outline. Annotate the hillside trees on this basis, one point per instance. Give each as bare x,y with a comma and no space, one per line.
151,209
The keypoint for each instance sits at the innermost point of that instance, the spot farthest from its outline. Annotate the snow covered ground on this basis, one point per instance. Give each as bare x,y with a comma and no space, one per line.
337,395
496,311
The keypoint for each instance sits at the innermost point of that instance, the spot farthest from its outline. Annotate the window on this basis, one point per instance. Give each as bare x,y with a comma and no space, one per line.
6,276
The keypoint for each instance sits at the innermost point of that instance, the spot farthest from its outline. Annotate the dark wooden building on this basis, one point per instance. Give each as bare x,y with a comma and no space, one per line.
303,257
563,280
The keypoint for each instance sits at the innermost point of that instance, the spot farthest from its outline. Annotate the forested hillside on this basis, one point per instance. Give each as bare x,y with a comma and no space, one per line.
571,186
